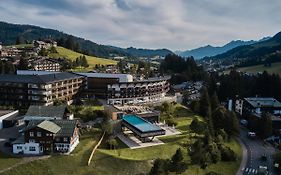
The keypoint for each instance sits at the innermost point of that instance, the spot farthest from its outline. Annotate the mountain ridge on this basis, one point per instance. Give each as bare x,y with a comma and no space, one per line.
208,50
10,32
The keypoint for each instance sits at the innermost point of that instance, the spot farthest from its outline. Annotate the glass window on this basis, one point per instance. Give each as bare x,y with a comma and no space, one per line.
65,139
39,134
19,147
32,148
31,134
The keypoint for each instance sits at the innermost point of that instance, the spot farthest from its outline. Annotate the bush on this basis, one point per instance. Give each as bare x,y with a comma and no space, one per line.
171,122
227,154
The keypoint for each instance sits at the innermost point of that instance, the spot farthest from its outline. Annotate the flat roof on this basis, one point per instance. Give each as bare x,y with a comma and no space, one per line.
38,78
121,77
140,124
263,102
4,112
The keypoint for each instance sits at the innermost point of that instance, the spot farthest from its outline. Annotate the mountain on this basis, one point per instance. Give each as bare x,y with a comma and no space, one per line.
147,52
208,51
268,50
9,33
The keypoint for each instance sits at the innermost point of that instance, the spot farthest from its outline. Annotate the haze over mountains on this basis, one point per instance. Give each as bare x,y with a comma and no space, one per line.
260,52
208,51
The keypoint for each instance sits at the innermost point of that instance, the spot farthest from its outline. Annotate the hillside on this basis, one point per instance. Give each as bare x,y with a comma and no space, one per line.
92,61
255,53
274,68
9,33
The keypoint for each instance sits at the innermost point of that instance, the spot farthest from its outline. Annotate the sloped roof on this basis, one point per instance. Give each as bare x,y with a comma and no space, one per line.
43,124
49,126
263,102
67,127
46,111
59,127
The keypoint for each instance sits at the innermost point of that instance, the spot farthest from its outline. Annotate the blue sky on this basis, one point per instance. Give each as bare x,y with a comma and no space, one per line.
172,24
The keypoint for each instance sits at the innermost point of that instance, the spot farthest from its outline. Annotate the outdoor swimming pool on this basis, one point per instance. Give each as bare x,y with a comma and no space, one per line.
140,124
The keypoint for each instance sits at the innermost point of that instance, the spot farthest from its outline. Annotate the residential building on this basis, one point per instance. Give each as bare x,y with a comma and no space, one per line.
257,105
5,114
39,88
46,44
44,64
48,113
48,136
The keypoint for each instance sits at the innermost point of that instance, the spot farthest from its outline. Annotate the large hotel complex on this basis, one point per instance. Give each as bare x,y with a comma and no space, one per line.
44,88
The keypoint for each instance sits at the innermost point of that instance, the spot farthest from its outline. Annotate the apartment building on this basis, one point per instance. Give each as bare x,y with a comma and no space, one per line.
39,88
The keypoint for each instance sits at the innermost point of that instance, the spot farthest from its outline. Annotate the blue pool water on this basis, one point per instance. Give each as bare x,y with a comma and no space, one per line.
140,123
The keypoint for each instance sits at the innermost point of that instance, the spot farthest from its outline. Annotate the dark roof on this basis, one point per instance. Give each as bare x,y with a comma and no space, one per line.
46,111
67,127
38,79
60,127
263,102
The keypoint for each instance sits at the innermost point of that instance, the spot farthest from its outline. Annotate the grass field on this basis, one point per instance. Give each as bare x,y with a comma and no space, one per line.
124,160
275,68
92,61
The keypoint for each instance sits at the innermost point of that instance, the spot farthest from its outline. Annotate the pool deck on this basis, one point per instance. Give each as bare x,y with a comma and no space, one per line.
134,143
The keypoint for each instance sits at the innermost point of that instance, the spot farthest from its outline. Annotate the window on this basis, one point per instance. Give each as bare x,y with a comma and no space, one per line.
19,147
32,148
39,134
31,134
31,140
65,139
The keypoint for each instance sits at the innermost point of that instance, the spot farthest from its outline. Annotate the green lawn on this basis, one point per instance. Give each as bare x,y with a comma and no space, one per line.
124,160
275,68
7,161
92,61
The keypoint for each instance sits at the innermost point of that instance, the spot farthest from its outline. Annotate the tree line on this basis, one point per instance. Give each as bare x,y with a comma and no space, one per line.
219,125
182,69
237,84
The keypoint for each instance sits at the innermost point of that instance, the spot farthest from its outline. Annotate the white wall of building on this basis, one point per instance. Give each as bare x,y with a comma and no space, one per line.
27,148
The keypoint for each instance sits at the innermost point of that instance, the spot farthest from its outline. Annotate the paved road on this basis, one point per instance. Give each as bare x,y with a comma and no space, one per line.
255,149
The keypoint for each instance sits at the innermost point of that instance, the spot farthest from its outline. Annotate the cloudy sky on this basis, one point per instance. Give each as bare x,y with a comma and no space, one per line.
173,24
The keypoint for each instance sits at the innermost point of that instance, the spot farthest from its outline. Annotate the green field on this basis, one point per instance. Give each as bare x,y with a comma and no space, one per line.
275,68
124,160
92,61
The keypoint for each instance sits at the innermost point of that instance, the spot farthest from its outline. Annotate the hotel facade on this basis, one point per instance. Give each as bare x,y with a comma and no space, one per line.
39,88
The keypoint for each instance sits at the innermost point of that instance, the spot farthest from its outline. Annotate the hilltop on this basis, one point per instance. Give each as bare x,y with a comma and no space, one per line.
9,33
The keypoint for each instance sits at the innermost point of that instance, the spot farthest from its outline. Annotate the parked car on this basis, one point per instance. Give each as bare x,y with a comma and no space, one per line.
244,122
251,135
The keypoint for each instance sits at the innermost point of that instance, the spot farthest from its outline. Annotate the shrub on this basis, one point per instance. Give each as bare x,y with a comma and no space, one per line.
171,122
227,154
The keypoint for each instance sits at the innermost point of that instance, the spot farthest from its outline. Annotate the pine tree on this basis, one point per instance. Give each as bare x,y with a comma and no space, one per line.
159,167
210,123
214,101
204,102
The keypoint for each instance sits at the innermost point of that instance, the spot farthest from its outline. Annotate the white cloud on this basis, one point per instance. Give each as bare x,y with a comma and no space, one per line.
173,24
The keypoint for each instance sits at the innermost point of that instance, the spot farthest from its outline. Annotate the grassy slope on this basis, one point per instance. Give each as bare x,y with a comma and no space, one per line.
275,68
92,61
124,160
